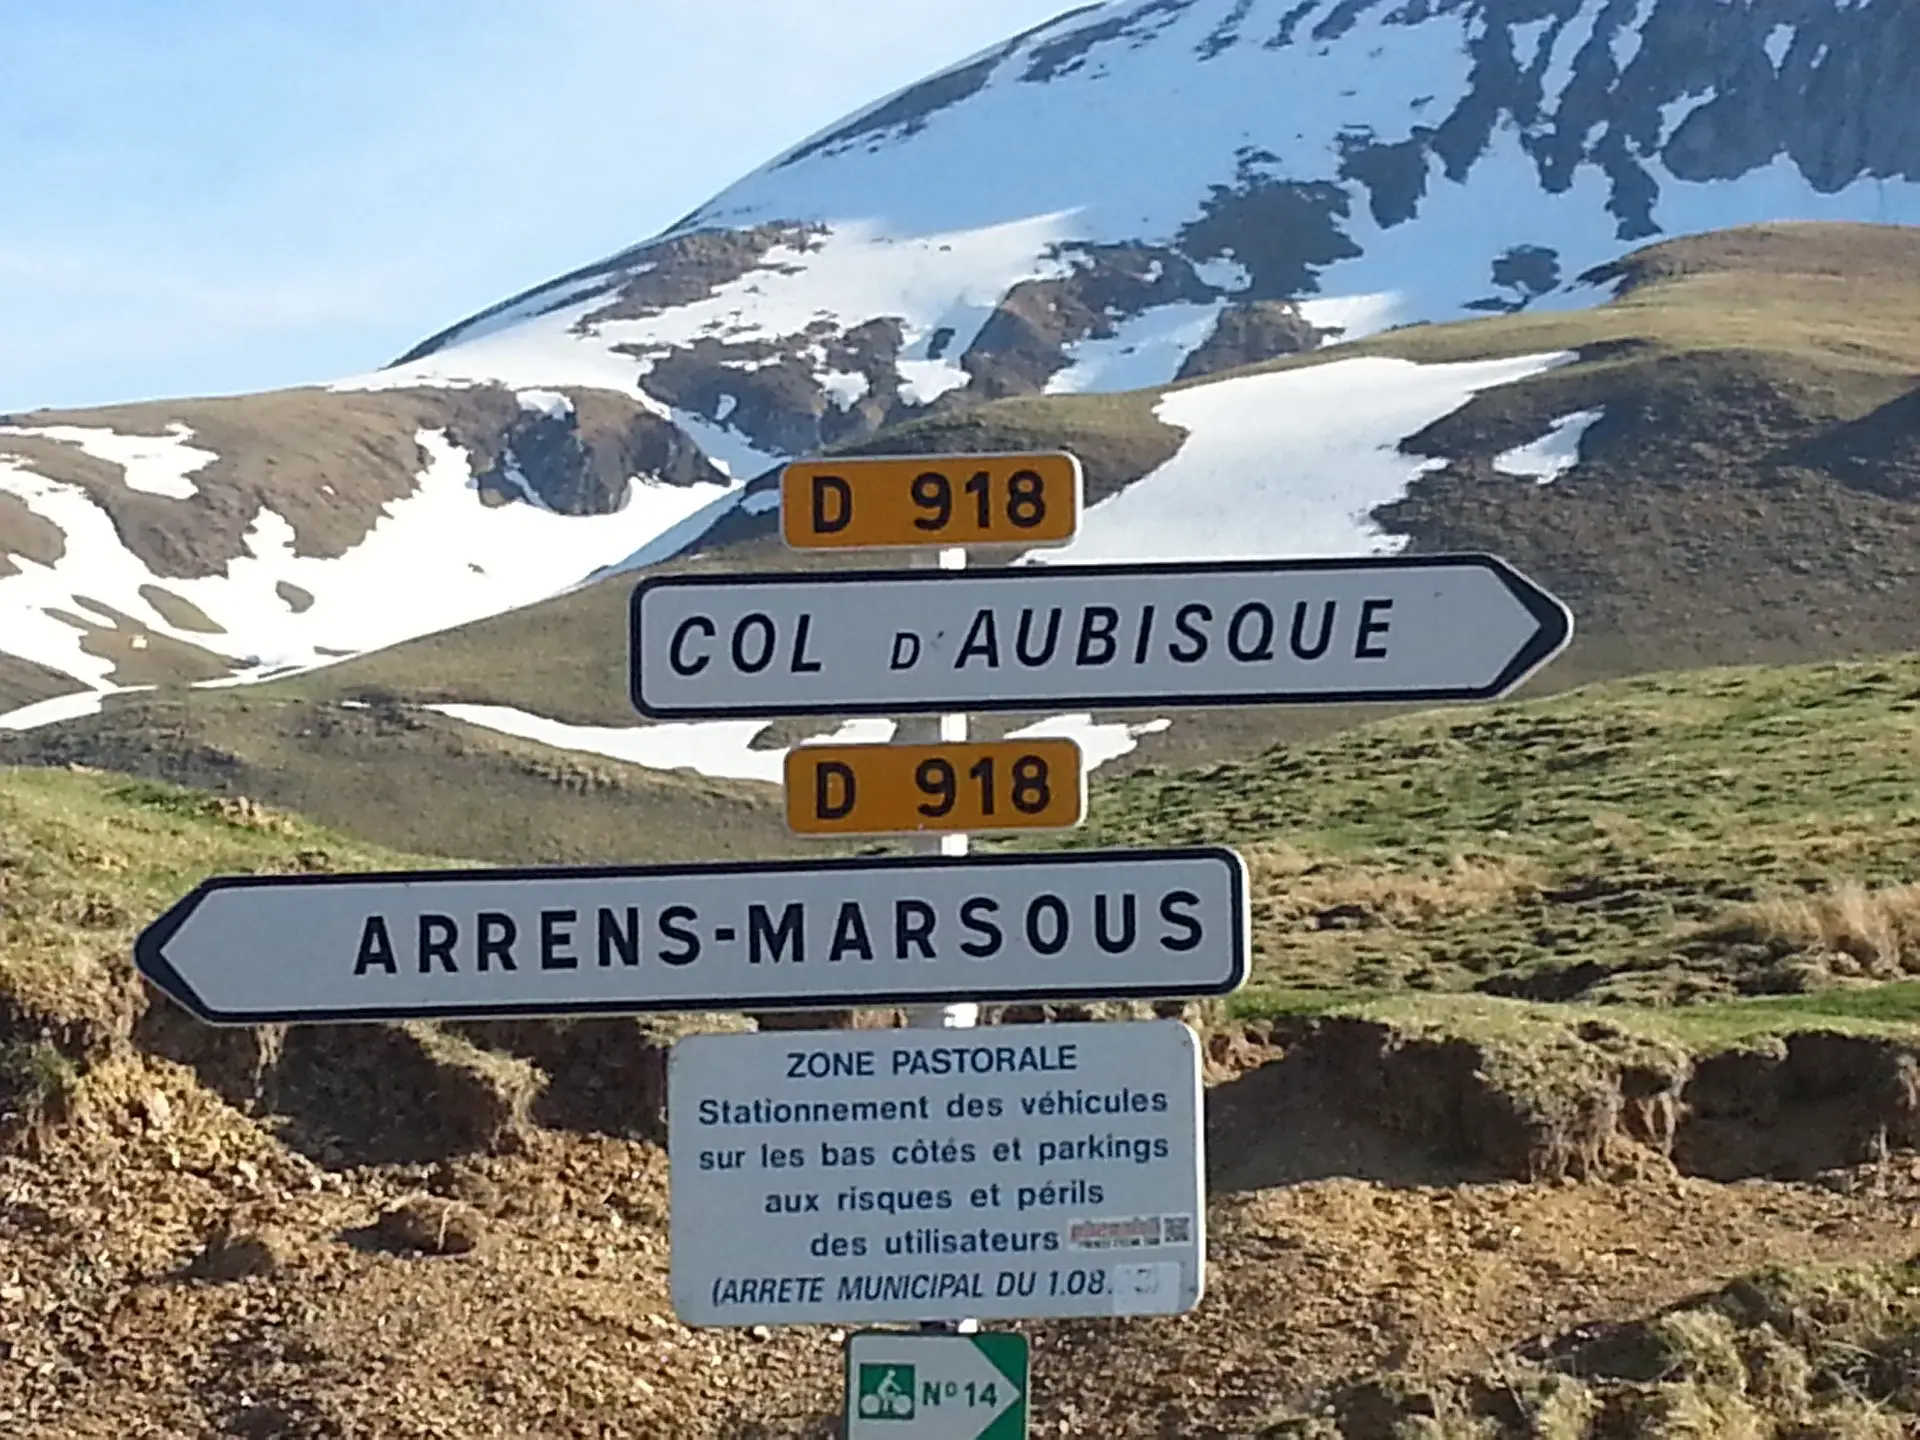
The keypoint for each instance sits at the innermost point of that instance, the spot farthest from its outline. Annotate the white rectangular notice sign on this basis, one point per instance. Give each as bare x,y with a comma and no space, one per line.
893,1175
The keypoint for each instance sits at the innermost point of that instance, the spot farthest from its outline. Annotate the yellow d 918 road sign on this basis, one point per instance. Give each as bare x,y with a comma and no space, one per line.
895,502
935,789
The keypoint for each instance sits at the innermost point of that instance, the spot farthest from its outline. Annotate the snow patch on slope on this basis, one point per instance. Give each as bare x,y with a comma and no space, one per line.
60,709
435,559
1099,741
1129,150
1779,41
156,464
1287,463
924,381
1143,351
56,711
731,452
721,749
1554,453
724,749
934,280
550,403
1574,37
541,352
1778,189
683,533
846,388
1352,317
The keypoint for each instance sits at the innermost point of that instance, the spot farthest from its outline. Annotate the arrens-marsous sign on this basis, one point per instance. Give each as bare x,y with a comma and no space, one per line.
621,940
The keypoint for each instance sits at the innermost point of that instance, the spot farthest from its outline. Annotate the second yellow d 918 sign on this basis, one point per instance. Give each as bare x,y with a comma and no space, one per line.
935,789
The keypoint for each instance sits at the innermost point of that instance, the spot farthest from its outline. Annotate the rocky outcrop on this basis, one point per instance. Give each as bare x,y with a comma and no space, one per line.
1028,337
1250,332
580,458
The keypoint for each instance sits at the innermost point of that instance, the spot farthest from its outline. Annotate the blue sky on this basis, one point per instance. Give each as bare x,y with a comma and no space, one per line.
210,196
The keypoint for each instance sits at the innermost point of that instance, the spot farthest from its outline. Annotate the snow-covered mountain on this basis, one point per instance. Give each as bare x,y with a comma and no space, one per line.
1136,192
1157,188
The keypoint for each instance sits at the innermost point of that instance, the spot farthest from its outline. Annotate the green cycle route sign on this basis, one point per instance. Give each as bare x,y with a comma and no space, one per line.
908,1385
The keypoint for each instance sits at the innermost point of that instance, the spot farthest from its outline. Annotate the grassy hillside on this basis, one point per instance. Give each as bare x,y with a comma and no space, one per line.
1686,839
272,1216
1673,837
87,860
417,780
1690,838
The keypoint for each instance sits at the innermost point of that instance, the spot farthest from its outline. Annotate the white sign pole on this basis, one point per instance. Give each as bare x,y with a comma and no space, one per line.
953,730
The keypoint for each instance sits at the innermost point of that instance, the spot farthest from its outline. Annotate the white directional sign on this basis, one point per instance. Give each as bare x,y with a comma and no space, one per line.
1405,628
755,935
875,1175
918,1385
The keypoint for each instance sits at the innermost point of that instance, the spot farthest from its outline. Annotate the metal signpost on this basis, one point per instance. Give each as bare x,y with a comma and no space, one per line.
938,1174
1256,632
1001,1172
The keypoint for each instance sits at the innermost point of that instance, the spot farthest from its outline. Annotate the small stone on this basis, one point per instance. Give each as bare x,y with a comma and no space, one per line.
432,1225
235,1253
158,1110
456,1182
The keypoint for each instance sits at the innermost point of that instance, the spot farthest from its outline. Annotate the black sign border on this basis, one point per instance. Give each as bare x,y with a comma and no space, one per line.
1554,633
149,949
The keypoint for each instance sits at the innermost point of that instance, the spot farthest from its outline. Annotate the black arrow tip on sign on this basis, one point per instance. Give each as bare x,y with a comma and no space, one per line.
1554,622
150,959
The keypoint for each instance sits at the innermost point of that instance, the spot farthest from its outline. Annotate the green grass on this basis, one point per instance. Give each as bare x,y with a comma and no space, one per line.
37,1084
1693,839
88,860
1658,840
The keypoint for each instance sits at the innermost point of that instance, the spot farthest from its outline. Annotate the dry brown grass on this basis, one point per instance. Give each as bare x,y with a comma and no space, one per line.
1875,931
1810,1353
1292,886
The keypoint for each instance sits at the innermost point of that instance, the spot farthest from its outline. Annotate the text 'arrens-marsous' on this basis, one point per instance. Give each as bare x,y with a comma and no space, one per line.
978,928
